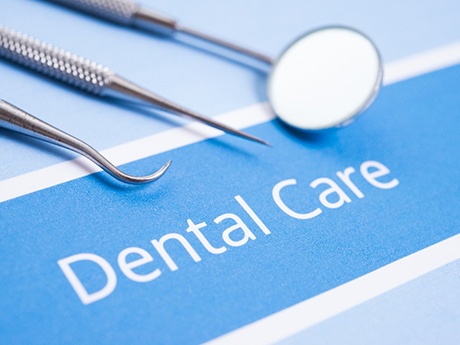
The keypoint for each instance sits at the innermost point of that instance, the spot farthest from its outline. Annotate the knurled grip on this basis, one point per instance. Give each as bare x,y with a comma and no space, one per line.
118,11
56,63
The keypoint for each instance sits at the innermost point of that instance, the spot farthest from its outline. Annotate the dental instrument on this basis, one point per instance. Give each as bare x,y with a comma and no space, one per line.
17,120
90,76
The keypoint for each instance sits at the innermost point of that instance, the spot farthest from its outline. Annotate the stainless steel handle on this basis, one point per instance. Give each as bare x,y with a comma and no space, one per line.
118,11
56,63
124,12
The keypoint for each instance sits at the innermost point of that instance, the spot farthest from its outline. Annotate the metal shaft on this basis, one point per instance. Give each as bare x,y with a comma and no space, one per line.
120,87
130,13
89,76
226,44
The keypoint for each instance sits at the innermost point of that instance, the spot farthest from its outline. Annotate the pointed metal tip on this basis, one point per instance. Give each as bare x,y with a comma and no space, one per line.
252,138
263,142
266,143
156,175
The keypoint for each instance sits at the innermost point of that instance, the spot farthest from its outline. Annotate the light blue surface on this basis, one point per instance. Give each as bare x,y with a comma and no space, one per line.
412,129
423,311
191,77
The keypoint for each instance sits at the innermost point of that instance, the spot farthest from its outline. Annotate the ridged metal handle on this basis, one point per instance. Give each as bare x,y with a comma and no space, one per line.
119,11
56,63
124,12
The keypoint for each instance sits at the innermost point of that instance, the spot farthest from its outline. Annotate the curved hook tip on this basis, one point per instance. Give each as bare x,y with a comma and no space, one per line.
141,179
156,175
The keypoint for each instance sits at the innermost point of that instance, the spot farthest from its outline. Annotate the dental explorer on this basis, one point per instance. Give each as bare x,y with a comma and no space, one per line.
91,77
322,80
17,120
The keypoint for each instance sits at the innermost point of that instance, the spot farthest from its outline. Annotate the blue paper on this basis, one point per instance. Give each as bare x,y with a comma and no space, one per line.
276,260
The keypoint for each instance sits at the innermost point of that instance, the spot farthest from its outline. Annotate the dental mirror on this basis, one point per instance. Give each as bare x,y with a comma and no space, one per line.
325,78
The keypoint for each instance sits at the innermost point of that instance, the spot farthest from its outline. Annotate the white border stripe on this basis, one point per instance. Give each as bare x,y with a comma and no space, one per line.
196,132
422,63
290,321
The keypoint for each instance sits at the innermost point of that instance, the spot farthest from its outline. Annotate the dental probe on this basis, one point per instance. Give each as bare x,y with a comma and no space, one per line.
322,79
17,120
130,13
89,76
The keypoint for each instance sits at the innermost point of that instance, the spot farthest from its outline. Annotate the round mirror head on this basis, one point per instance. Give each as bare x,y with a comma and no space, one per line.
325,78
